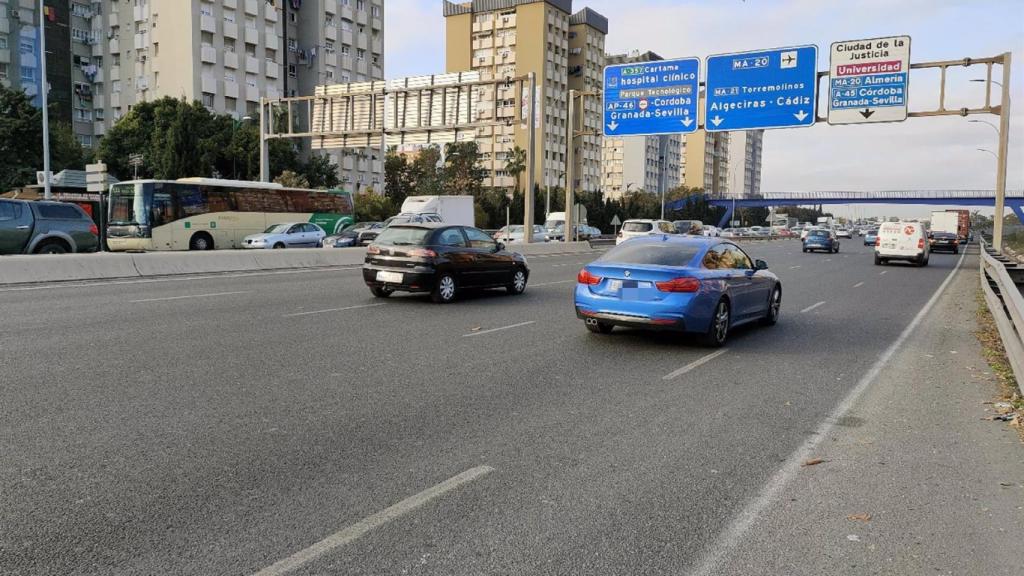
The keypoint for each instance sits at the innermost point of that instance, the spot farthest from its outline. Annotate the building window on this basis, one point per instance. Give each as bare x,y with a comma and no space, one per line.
207,99
360,4
329,46
81,35
293,45
26,45
229,77
291,70
3,71
329,20
375,11
83,115
84,139
229,16
99,113
346,25
28,74
3,41
345,49
330,74
81,10
360,54
206,9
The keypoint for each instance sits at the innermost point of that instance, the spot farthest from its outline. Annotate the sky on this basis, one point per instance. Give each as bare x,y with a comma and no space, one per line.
918,154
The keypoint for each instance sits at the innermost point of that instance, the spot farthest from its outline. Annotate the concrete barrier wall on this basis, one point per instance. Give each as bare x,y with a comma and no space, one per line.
34,269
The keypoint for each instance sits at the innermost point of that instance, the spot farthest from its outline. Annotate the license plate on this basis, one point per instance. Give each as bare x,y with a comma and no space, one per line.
389,277
615,285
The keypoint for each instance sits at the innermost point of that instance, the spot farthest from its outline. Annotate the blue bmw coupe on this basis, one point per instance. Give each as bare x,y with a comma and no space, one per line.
680,283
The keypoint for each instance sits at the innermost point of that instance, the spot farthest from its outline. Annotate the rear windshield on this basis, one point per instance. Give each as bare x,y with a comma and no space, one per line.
818,233
651,253
637,227
403,236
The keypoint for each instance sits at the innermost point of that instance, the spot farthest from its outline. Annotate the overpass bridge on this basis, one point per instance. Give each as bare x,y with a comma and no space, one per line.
980,198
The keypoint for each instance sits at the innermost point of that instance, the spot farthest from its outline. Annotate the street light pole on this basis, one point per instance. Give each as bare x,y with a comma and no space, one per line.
45,96
1004,144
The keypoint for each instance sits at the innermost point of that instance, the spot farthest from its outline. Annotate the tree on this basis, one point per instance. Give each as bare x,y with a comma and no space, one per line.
516,165
462,172
397,176
321,172
290,179
21,142
425,178
372,207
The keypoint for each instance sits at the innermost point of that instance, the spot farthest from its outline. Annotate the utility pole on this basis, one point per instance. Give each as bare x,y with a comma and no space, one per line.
570,170
44,89
264,150
1004,143
531,178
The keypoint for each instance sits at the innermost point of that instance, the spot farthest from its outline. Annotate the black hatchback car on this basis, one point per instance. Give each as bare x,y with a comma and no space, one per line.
944,242
442,260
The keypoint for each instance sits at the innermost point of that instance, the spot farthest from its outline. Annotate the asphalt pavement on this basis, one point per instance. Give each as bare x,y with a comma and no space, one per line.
291,423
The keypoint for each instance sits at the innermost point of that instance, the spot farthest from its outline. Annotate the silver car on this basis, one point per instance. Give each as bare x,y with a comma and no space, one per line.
287,235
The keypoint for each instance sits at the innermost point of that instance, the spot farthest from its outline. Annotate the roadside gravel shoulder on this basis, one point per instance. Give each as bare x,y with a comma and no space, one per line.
913,480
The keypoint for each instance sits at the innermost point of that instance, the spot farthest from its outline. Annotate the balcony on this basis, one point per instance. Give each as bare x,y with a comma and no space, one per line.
141,13
346,37
272,91
113,20
99,128
115,46
231,4
141,41
348,163
361,16
270,14
330,32
347,12
97,77
273,70
208,54
115,100
376,46
209,84
230,29
230,60
115,73
252,93
506,22
485,42
271,39
5,55
483,26
99,101
5,26
252,65
252,35
207,24
252,7
361,41
483,61
230,89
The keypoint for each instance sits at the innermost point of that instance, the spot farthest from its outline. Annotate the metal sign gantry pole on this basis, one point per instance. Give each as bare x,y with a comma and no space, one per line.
531,159
570,169
1004,144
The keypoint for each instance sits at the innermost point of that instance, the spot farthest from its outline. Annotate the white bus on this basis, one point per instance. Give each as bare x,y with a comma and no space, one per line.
208,214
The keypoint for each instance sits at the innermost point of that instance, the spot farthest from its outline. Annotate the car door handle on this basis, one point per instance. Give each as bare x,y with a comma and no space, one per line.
22,228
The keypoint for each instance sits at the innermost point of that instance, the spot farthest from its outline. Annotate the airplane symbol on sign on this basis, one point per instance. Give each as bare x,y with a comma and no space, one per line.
788,59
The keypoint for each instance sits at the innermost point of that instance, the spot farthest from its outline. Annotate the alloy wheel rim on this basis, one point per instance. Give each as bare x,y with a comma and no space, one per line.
447,287
776,303
722,322
519,281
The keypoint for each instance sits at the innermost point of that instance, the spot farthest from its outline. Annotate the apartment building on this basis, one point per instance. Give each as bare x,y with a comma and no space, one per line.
19,52
649,163
510,38
587,31
744,164
705,161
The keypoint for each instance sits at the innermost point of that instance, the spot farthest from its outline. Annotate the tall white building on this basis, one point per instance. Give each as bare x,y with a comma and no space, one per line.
744,171
648,163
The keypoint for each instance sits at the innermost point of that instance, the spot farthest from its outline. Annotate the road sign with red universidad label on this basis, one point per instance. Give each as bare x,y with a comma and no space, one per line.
868,80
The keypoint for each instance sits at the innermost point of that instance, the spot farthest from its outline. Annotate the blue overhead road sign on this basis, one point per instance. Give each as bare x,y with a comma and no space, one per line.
775,88
657,97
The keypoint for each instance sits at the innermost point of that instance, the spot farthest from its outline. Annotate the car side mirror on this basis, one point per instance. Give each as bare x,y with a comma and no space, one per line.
499,247
760,265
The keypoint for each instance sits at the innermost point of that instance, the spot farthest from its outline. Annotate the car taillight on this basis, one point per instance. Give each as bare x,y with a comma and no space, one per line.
878,240
920,243
682,284
422,253
373,249
585,277
94,230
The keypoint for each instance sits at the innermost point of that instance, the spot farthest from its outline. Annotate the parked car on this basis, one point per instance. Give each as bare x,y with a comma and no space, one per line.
821,240
349,236
683,283
902,241
644,227
287,235
870,237
442,260
694,227
712,231
944,242
369,235
45,228
515,233
731,233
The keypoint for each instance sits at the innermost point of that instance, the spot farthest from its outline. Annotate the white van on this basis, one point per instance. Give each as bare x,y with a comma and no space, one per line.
902,241
644,227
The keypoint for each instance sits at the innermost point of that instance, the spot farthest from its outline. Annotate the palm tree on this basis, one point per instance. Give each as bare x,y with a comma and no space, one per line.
516,164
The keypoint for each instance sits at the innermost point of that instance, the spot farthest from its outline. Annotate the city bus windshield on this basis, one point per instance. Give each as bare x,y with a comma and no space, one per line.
127,208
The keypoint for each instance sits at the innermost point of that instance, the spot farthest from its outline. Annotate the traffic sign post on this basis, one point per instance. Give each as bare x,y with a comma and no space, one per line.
646,98
615,225
764,89
868,80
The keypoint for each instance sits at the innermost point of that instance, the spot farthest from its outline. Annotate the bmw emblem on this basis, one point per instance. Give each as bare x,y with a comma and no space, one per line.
626,273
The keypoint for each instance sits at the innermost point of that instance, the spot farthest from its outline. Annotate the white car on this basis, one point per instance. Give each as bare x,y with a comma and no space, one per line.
515,234
287,235
644,227
843,233
902,241
712,231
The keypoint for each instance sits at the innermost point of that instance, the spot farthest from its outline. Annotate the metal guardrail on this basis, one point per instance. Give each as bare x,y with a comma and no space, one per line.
1007,306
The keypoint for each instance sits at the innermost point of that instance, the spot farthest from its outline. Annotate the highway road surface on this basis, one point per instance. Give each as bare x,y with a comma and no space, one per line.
291,423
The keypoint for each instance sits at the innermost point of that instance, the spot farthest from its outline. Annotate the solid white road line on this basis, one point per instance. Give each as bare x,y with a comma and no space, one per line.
696,363
482,332
739,526
353,532
190,296
812,307
858,284
331,310
794,267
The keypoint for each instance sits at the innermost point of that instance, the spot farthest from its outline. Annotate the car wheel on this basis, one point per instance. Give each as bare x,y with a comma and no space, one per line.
381,292
279,246
718,331
599,327
444,291
771,318
52,247
923,262
805,250
878,261
518,284
837,250
200,241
